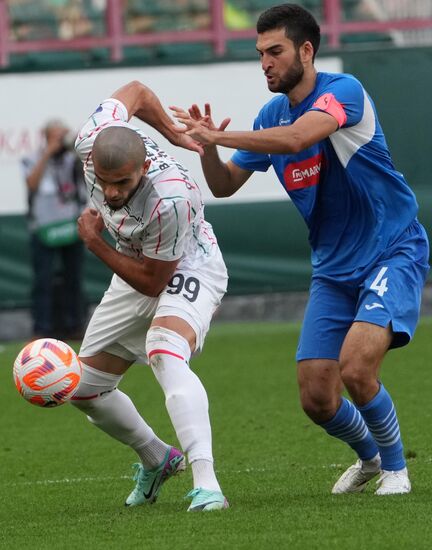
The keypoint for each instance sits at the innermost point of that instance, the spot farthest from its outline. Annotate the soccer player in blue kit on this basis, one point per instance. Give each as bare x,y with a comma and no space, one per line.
370,254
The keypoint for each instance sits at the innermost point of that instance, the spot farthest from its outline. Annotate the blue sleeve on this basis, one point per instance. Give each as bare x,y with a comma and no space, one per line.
255,162
343,98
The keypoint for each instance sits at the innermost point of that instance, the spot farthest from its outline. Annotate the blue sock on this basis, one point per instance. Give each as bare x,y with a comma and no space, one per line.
349,426
380,417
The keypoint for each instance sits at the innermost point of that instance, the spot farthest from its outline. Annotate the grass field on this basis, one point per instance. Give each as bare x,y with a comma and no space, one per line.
63,482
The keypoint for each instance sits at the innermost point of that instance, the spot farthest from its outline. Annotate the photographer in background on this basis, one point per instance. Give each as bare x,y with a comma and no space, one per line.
56,197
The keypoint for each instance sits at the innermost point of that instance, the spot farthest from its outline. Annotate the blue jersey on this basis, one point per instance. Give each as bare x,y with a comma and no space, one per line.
352,199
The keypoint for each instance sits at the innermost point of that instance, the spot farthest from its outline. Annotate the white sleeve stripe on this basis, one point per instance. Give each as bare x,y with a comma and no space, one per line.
347,141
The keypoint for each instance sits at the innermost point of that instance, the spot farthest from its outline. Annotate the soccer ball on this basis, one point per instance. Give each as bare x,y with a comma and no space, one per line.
47,372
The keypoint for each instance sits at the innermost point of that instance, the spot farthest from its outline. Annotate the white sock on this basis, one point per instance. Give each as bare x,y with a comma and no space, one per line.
185,396
152,452
113,412
204,475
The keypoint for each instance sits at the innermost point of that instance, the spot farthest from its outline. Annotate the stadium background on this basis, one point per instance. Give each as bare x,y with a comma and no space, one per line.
60,57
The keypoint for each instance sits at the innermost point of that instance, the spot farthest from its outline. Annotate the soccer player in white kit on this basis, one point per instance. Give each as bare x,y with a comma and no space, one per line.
169,278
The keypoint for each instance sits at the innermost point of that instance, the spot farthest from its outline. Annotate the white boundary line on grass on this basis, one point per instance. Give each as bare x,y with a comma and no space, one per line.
95,479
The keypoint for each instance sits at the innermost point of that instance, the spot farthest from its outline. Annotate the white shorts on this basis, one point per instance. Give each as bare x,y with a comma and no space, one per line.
120,322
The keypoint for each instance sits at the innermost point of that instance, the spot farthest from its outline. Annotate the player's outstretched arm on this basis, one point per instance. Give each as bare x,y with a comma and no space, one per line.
223,179
147,276
312,127
142,102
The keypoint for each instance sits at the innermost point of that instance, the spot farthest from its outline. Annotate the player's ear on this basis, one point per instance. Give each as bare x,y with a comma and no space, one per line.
145,167
306,52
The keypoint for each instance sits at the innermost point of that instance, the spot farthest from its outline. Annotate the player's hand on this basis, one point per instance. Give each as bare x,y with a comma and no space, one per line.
195,113
200,128
90,226
182,140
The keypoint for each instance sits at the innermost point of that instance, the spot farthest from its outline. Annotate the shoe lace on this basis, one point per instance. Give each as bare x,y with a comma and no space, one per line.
389,474
195,492
141,475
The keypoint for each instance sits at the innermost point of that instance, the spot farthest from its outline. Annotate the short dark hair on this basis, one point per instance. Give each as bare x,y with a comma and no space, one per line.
300,25
117,145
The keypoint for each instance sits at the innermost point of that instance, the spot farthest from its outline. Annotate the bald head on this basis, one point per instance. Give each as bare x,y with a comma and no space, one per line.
116,146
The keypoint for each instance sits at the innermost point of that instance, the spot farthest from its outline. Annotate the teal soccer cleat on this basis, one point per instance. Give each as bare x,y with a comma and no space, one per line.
149,482
206,501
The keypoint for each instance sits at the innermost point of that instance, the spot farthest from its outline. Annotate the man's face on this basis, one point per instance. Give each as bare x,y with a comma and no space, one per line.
56,138
280,61
120,184
56,133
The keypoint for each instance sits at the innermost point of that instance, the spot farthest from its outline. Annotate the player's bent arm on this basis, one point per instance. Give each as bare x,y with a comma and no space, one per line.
142,102
310,128
223,179
147,276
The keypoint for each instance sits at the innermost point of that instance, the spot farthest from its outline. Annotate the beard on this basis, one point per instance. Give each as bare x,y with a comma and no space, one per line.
118,205
115,206
290,79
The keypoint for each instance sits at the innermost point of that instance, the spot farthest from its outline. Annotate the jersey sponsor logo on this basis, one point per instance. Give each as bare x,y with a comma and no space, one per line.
373,306
305,173
284,121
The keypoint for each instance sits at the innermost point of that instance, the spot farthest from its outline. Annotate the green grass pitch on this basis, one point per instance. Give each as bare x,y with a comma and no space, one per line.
63,482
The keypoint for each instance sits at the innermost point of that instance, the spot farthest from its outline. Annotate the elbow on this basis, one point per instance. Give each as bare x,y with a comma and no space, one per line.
135,85
151,280
222,188
220,193
296,148
133,89
156,289
297,144
140,94
153,294
144,92
150,290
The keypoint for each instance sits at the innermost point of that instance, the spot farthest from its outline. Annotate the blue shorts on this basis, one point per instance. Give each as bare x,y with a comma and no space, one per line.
389,293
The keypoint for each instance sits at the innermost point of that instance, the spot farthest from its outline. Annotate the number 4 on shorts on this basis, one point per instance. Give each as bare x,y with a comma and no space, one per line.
379,284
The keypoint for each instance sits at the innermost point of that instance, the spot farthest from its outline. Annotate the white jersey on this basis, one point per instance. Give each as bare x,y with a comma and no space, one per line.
164,219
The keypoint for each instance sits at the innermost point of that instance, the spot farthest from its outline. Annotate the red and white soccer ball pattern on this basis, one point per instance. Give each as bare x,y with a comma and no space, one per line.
47,372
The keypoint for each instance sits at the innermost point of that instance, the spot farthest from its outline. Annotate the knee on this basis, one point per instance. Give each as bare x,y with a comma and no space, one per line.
354,371
320,388
352,377
94,390
360,377
318,406
163,343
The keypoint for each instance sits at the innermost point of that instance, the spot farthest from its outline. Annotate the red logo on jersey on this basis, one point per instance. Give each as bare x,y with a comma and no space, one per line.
305,173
